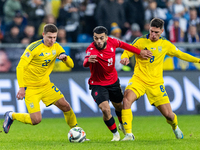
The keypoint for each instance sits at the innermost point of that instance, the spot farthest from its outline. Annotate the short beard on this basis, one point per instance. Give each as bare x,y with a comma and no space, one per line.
104,45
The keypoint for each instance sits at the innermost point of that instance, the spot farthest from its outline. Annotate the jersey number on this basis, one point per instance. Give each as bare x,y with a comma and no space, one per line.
152,59
46,62
110,61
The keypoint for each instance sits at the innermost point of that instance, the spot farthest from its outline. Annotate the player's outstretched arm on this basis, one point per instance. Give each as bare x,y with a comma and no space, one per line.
67,60
145,54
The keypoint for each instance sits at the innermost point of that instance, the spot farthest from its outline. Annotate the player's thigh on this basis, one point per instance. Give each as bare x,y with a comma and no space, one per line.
99,93
51,94
157,95
137,86
32,99
115,92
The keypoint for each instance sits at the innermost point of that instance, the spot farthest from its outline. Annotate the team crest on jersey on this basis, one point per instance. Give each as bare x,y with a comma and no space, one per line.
27,54
31,105
159,48
54,52
88,53
112,49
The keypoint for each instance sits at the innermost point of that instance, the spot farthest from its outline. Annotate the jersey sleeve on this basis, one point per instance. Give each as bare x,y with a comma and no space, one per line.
85,62
174,51
128,54
25,59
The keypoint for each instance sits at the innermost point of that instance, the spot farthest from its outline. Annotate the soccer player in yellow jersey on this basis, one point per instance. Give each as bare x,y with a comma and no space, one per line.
33,72
148,77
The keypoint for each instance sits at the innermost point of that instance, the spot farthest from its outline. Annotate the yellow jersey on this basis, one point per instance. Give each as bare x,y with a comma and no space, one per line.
150,70
37,62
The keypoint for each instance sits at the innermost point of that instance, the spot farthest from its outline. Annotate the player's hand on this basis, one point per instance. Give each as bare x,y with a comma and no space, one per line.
21,93
125,61
145,54
62,57
92,59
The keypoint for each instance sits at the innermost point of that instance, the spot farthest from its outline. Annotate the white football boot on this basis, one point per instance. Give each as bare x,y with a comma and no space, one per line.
128,137
116,137
178,133
121,127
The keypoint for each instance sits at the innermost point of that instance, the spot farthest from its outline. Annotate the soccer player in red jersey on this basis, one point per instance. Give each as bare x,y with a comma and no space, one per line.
104,82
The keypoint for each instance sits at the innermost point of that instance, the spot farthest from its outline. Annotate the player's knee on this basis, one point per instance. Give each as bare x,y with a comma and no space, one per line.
36,121
105,111
126,103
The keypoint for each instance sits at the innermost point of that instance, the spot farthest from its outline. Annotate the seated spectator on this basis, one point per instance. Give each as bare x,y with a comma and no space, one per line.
69,18
155,12
179,10
18,21
47,19
62,38
133,33
134,13
12,36
192,37
115,31
5,63
194,19
10,8
29,33
176,34
35,11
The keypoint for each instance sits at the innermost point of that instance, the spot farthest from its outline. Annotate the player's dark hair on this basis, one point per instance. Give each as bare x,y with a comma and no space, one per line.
50,28
100,29
156,22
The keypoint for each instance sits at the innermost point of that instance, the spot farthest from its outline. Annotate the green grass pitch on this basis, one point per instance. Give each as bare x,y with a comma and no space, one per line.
151,133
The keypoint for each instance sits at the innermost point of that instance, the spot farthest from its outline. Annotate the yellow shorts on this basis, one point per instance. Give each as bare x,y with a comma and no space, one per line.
48,93
156,93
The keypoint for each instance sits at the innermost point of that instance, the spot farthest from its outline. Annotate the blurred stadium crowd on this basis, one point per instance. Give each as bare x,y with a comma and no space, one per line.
22,21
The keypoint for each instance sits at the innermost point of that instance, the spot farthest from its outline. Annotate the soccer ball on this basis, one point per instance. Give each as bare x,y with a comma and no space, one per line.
76,135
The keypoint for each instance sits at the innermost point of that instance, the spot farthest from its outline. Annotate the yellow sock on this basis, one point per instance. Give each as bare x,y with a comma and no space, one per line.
127,118
22,117
173,123
70,118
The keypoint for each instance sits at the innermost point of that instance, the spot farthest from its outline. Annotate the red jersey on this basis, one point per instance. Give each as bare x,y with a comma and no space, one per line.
103,72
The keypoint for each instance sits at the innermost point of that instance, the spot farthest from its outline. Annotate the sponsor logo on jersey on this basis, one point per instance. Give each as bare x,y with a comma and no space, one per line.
27,54
41,54
54,52
48,54
159,48
101,55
